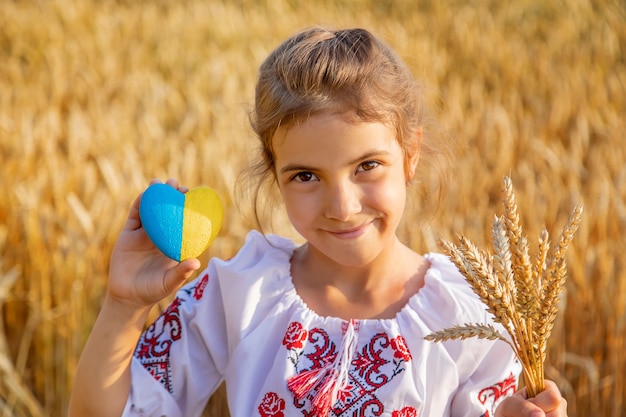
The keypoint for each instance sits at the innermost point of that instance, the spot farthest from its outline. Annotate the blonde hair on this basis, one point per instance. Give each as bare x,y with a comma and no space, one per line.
349,72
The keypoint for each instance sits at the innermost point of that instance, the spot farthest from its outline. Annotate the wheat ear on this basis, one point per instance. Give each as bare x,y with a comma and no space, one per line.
521,294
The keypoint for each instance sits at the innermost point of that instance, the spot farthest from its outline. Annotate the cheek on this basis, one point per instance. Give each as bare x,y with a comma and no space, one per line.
389,197
299,206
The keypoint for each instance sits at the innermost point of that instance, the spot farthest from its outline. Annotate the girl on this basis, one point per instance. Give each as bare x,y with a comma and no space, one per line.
333,327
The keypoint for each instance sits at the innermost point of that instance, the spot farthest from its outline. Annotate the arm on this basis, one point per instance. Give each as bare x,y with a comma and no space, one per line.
139,277
548,403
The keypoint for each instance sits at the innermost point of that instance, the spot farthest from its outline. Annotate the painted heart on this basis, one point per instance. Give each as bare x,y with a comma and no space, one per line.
181,225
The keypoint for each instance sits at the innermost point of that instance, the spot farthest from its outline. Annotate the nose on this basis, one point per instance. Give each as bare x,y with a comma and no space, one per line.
343,200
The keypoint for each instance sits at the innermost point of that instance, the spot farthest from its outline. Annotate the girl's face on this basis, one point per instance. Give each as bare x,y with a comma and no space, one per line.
343,185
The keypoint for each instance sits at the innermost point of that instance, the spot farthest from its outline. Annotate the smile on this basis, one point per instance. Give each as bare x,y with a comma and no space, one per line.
351,233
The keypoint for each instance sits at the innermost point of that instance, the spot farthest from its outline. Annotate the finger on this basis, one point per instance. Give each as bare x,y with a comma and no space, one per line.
176,277
172,182
550,399
522,393
561,411
517,406
133,222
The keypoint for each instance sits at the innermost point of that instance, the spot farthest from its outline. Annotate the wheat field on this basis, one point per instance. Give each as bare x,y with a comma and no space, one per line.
98,97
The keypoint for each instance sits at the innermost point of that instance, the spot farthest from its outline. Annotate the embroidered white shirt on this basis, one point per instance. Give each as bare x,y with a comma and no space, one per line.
241,321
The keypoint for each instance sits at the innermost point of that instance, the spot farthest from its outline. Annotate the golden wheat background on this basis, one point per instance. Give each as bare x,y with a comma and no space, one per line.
97,97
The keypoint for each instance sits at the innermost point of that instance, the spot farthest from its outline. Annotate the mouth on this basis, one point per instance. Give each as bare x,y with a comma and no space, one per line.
349,233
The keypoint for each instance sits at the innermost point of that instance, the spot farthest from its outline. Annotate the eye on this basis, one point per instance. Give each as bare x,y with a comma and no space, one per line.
367,166
304,176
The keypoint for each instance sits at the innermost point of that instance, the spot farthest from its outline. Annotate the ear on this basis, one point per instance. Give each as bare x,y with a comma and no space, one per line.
413,155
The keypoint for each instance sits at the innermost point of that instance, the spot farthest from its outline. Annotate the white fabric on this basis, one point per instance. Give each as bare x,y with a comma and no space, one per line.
231,325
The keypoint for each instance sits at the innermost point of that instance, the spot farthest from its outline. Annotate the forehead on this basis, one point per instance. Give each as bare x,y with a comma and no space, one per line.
326,136
318,122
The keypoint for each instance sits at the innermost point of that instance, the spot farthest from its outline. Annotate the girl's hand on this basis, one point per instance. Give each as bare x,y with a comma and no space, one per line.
548,403
139,274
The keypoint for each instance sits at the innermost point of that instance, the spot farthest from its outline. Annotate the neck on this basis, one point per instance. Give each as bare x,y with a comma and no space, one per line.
364,276
378,289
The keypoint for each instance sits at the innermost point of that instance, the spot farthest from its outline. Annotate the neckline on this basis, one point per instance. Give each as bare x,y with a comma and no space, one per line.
413,299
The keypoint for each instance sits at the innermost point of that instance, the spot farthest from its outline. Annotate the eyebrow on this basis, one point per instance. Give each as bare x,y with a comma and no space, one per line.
365,156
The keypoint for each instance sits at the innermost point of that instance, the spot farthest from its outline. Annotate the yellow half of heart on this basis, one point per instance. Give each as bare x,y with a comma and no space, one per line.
202,220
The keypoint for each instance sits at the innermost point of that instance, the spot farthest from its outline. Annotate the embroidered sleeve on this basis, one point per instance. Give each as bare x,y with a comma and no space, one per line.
174,369
494,379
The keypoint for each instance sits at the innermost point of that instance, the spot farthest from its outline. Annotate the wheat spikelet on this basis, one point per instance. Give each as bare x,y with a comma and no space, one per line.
502,267
522,295
539,267
481,331
476,266
513,291
526,291
552,285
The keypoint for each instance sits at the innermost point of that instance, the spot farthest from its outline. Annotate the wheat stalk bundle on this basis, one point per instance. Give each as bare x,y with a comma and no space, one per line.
521,293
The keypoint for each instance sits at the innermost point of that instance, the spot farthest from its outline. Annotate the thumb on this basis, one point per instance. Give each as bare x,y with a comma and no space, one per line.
517,406
175,278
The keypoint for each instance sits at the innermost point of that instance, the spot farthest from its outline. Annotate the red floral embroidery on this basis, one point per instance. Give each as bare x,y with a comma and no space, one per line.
153,349
492,396
295,335
405,412
200,286
401,350
370,361
346,395
271,406
374,365
324,351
